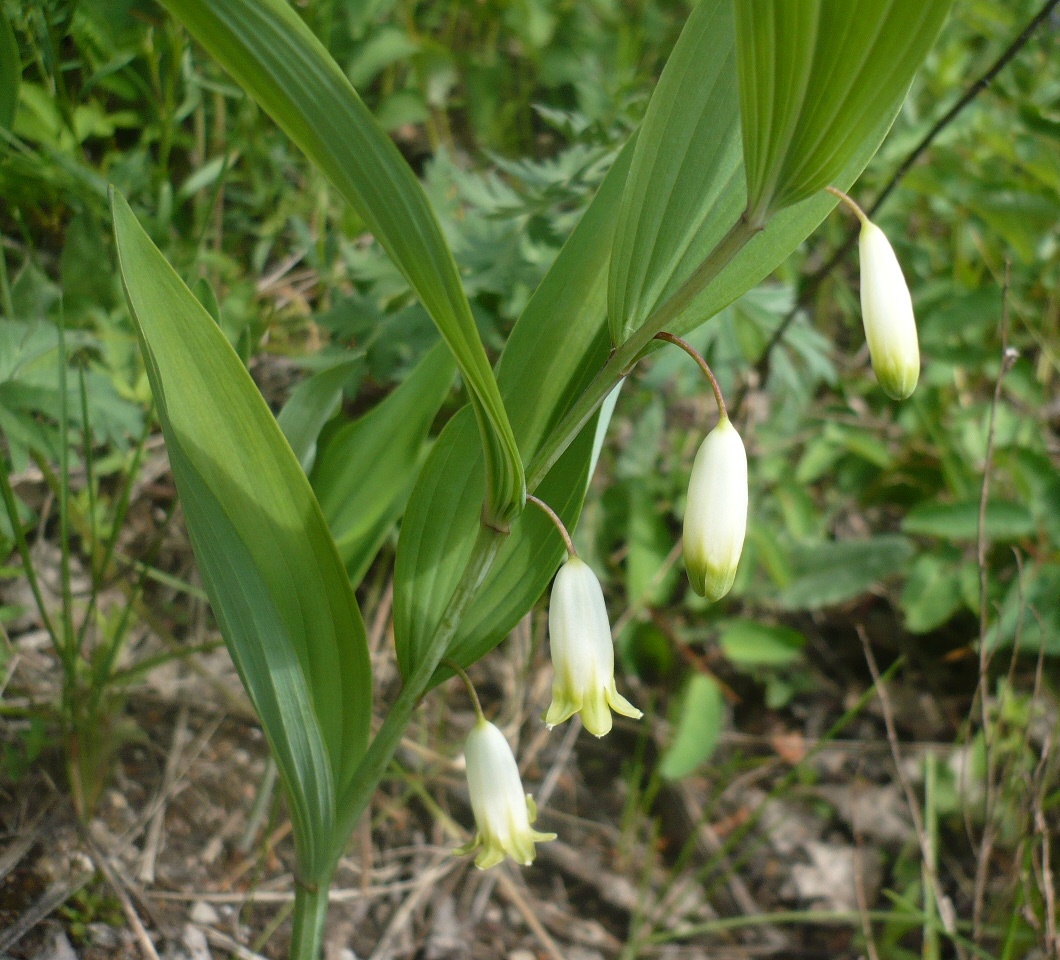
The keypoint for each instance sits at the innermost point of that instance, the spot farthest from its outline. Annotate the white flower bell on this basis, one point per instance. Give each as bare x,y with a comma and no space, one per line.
503,812
583,653
887,311
716,512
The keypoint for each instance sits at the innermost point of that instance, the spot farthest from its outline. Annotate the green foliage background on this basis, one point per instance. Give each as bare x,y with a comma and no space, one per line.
512,113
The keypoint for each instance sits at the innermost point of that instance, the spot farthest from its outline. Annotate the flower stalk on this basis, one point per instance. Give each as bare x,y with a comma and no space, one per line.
559,524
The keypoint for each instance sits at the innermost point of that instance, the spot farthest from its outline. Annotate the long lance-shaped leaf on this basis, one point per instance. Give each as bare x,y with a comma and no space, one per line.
365,470
276,58
555,348
277,587
815,77
684,184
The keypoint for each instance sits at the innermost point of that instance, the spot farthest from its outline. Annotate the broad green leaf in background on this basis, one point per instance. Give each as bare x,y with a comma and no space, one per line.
932,592
1004,520
365,470
697,726
815,78
835,571
10,72
649,541
269,565
685,178
748,643
311,405
555,348
276,58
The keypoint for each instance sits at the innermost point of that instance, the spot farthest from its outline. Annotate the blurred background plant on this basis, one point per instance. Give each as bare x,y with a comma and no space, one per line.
864,513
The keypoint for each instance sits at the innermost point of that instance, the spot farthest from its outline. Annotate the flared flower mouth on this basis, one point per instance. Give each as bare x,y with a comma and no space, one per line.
583,654
503,811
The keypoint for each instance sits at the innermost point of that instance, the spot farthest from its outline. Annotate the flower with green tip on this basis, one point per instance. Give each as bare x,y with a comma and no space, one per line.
716,512
503,812
887,311
583,653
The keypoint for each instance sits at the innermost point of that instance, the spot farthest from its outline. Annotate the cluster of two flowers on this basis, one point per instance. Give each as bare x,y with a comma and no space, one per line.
714,529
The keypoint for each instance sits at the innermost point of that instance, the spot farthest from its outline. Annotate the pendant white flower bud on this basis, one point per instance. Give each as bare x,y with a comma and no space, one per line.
887,311
503,812
583,653
716,512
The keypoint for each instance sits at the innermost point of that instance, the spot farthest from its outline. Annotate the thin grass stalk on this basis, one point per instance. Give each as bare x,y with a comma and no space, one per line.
22,546
95,573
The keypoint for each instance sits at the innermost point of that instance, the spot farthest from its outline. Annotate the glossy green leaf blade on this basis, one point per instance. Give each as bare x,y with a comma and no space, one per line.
555,348
259,536
365,469
268,663
684,182
698,722
10,72
815,76
768,249
310,406
273,55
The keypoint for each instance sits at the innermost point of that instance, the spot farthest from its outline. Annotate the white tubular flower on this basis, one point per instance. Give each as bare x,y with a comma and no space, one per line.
887,311
503,812
716,512
583,654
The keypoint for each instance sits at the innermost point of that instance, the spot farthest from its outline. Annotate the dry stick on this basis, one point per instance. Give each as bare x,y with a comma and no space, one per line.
859,877
142,937
510,889
1008,357
1042,827
146,873
402,917
910,795
52,898
813,282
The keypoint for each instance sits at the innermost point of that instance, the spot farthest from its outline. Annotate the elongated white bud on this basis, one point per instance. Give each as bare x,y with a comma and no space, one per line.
503,811
887,311
716,512
583,654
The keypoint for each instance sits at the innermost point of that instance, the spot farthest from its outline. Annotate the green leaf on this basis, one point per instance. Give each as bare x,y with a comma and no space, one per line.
649,542
684,184
932,593
1004,520
747,643
269,565
276,58
833,572
700,715
10,72
311,405
1030,612
365,470
815,77
554,350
